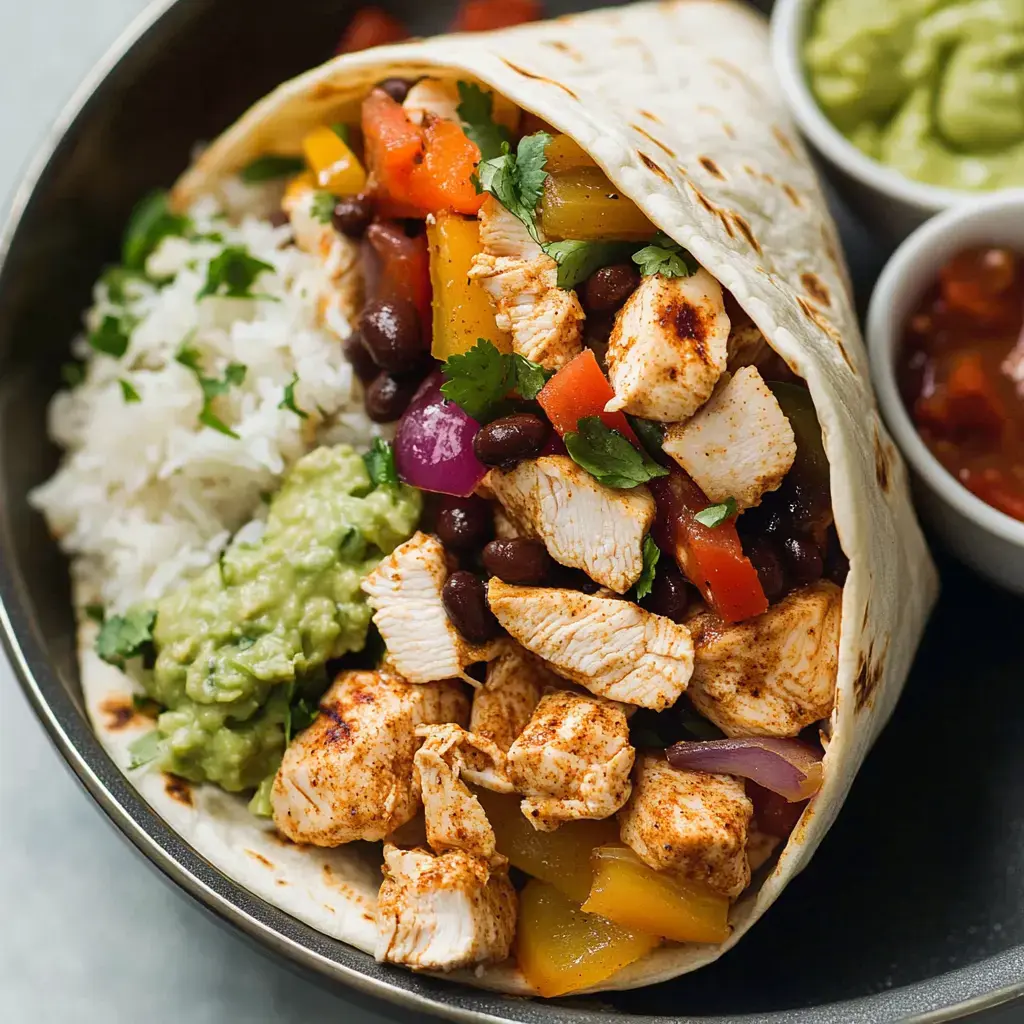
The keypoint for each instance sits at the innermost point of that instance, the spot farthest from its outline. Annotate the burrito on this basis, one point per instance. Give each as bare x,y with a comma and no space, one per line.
485,544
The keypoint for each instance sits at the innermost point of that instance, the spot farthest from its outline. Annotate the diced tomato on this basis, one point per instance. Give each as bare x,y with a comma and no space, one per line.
371,26
968,404
993,487
980,284
711,556
484,15
404,269
578,390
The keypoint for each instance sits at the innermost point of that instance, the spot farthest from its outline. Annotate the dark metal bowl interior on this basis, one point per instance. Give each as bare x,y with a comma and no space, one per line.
914,904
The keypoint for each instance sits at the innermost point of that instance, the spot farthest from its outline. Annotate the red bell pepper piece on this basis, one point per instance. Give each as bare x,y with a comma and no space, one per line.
711,556
484,15
404,269
371,26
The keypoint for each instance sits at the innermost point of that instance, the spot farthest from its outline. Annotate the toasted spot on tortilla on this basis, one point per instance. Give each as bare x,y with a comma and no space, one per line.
784,141
703,200
730,69
121,713
821,321
869,674
725,223
327,89
368,917
816,288
281,881
744,229
178,789
792,195
647,135
540,78
651,165
882,463
650,116
259,856
557,44
728,129
711,167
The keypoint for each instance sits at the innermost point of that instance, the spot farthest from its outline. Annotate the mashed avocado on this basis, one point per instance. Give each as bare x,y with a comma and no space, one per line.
933,88
237,647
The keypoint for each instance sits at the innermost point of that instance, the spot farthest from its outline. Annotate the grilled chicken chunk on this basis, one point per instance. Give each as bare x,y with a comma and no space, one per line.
772,675
572,760
438,913
434,97
515,682
611,647
405,592
739,445
504,234
690,823
582,523
668,347
350,774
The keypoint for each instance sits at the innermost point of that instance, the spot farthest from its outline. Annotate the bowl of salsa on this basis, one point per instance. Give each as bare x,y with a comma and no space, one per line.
946,336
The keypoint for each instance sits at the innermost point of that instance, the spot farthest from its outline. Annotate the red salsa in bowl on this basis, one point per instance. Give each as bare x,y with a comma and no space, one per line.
961,373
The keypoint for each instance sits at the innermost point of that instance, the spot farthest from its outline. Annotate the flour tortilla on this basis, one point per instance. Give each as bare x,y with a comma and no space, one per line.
677,102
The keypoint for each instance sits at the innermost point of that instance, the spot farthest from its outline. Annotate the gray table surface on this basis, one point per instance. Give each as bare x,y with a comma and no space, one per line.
90,933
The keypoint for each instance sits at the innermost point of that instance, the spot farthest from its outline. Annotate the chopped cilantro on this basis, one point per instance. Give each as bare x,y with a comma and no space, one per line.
578,260
608,456
323,206
526,377
476,110
380,463
112,336
232,273
128,392
145,749
271,167
651,554
126,636
288,402
517,181
211,387
343,133
151,222
72,374
95,612
477,380
116,280
665,257
715,515
651,434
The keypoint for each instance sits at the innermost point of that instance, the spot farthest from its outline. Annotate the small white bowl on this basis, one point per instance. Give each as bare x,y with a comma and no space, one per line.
891,204
986,539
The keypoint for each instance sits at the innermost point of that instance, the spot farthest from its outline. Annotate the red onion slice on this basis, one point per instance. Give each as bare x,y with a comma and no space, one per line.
434,443
787,767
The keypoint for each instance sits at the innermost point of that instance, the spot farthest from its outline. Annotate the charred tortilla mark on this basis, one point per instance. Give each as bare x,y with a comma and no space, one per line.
704,201
178,789
540,78
869,675
728,129
328,91
792,195
784,142
744,229
651,165
649,116
882,468
845,354
647,135
725,223
557,44
735,72
711,167
120,713
259,857
816,288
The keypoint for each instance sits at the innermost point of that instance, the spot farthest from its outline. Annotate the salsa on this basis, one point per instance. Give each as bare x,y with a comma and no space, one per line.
961,373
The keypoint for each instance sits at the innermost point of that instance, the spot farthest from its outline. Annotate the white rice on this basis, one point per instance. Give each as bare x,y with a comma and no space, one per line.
146,495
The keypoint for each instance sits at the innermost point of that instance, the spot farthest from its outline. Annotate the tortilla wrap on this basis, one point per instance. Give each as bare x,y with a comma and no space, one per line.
677,103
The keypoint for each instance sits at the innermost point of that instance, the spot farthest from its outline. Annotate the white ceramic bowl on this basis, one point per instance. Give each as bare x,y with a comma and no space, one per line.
986,539
891,204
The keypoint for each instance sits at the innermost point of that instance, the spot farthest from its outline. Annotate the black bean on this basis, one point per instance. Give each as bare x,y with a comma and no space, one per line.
764,555
362,362
670,594
391,334
608,288
803,559
511,439
388,396
465,600
567,578
521,561
396,88
352,215
464,524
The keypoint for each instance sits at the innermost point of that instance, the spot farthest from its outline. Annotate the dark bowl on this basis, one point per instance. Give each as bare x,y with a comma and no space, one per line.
914,907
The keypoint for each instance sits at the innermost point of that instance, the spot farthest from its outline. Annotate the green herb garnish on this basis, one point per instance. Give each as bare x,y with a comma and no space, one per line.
116,280
271,167
151,222
665,257
288,402
128,392
96,612
477,380
715,515
112,336
301,714
232,273
380,463
608,457
476,112
517,180
651,554
72,373
211,387
651,434
126,636
578,260
322,208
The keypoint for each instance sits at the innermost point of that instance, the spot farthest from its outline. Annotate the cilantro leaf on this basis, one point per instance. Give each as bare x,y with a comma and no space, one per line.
211,387
96,612
527,377
231,274
301,714
145,749
380,463
112,336
126,636
577,260
128,392
116,280
476,112
151,222
475,380
271,167
288,402
665,257
517,181
715,515
72,374
651,434
651,554
608,457
322,208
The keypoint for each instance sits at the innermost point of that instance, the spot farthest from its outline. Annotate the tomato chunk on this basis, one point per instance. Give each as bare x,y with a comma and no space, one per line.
371,26
710,556
484,15
968,404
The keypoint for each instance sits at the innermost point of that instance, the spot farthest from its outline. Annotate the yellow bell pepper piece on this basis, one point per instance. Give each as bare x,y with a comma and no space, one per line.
560,949
564,153
582,203
463,311
561,857
628,892
298,187
335,165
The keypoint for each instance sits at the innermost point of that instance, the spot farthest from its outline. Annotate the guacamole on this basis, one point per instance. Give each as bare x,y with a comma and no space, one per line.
240,645
933,88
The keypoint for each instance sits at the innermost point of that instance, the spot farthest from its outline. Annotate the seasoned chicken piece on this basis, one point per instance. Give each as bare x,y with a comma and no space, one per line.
545,321
582,523
454,818
434,97
437,913
504,234
690,823
405,591
739,445
772,675
515,682
572,760
668,347
609,646
349,775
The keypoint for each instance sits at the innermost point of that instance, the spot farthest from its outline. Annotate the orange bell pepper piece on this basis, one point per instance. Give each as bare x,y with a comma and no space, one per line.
371,26
484,15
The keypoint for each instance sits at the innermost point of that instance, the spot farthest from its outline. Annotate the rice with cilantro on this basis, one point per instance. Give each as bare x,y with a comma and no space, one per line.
203,372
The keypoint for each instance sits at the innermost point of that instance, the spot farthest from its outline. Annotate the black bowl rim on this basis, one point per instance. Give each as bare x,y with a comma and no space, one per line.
988,983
